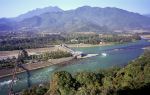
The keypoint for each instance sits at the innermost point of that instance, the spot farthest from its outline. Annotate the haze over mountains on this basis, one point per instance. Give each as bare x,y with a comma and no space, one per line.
82,19
148,15
37,12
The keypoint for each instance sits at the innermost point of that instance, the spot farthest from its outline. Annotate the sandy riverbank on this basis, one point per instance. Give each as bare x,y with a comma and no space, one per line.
10,54
147,48
145,36
14,53
38,65
88,45
35,66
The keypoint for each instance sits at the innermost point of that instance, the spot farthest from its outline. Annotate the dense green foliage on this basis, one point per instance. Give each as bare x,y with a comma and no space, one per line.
133,79
27,43
13,42
51,55
120,38
10,62
36,90
96,39
7,63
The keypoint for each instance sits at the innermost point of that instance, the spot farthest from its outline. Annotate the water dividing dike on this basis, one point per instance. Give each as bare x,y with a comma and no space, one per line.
116,55
35,66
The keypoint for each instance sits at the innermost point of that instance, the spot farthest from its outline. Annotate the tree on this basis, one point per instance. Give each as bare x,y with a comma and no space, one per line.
62,83
22,56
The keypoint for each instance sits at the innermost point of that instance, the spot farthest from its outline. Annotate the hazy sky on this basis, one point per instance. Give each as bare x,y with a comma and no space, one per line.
12,8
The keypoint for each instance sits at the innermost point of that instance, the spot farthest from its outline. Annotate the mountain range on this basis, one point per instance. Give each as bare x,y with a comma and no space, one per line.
37,12
82,19
148,15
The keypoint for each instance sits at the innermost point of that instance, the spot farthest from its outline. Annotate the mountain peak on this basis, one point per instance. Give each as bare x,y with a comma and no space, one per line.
38,11
147,15
50,8
82,19
84,7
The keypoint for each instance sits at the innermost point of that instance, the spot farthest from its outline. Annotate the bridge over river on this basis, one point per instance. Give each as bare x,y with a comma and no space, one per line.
118,55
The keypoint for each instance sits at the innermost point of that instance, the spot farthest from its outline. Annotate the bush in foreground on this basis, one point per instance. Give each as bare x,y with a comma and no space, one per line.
134,79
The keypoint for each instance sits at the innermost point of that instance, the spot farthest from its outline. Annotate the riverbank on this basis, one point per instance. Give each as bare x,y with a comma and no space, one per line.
146,36
131,79
95,45
35,51
113,59
88,45
35,66
147,48
14,53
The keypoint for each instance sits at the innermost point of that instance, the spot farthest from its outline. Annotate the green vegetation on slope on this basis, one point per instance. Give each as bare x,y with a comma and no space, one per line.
36,90
133,79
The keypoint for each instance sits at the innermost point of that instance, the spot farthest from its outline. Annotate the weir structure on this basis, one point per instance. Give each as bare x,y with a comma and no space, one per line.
73,52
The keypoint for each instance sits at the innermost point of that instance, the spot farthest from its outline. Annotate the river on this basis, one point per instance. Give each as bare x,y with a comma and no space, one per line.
108,56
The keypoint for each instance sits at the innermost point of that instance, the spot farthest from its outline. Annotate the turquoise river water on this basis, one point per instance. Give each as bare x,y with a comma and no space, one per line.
115,55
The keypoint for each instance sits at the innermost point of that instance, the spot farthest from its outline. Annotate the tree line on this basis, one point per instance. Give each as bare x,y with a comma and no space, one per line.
27,43
96,39
40,42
